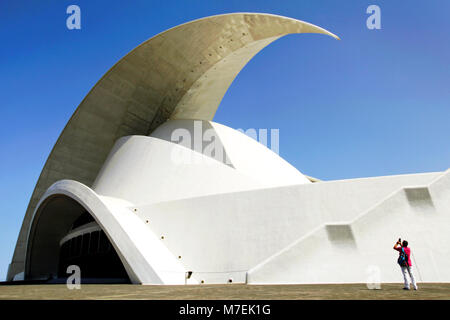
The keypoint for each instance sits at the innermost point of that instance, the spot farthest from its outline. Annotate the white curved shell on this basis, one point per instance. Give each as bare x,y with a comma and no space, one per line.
181,73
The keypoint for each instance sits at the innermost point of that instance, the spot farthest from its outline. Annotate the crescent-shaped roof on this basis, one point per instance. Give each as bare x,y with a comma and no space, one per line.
182,73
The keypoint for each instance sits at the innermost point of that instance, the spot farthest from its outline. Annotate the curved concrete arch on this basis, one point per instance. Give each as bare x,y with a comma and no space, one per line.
181,73
144,258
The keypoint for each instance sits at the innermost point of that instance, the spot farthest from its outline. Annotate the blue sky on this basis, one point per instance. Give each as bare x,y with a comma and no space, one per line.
375,103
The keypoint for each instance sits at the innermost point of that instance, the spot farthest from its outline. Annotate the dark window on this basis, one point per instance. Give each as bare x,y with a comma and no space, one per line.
73,247
66,249
85,244
93,247
104,243
102,262
78,241
82,220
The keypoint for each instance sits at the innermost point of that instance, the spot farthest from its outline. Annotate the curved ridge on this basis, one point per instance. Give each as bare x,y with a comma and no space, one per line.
144,257
181,73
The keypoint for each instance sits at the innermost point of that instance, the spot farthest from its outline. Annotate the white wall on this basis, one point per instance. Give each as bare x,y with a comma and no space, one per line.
221,235
152,169
141,170
168,208
360,249
246,155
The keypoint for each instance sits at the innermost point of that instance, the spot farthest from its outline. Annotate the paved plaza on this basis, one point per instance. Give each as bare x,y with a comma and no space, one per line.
224,292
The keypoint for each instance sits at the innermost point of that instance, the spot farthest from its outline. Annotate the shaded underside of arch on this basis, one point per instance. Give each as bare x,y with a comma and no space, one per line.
46,259
142,255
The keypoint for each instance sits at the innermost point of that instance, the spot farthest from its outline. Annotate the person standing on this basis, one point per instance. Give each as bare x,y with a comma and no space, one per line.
405,263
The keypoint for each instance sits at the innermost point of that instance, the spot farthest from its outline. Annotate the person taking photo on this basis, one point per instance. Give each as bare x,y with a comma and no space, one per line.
404,260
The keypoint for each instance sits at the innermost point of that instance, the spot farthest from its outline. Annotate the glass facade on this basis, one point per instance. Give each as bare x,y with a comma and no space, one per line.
93,253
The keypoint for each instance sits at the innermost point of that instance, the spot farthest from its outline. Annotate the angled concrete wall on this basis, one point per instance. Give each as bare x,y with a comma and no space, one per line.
351,251
165,219
221,236
271,235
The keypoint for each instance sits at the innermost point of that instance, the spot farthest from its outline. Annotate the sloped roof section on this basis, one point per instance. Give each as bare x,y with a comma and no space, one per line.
182,73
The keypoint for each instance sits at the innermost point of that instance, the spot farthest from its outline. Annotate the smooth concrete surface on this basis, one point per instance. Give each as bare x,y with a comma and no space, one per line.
237,150
140,170
359,247
238,231
145,259
153,169
391,291
272,235
226,223
181,73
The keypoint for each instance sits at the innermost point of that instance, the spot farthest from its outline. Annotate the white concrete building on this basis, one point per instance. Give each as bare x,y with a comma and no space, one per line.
142,185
